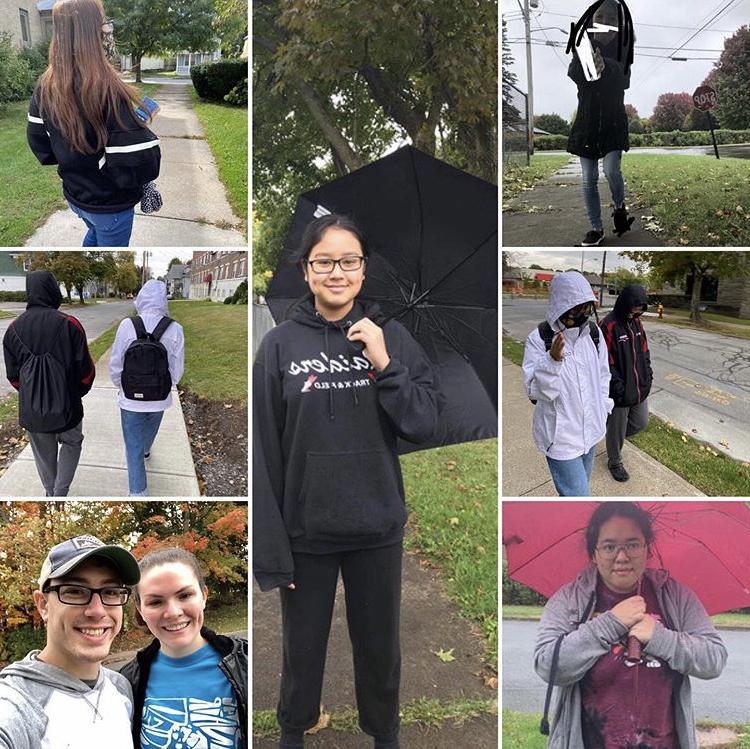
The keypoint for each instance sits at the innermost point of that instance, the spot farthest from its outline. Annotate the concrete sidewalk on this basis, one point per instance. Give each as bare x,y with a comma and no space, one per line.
195,213
429,623
525,470
552,214
102,471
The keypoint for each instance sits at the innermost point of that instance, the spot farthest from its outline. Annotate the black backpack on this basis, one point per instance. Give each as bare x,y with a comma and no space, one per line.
44,403
145,369
547,334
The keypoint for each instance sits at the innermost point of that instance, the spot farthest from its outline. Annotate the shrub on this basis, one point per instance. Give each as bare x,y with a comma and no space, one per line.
238,95
240,294
215,80
12,296
16,77
516,594
21,640
37,57
228,300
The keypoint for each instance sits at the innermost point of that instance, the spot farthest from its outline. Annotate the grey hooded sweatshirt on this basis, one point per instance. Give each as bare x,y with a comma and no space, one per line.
43,706
694,648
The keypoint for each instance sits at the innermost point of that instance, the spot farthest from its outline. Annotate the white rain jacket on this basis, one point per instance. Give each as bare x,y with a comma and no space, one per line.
572,395
151,305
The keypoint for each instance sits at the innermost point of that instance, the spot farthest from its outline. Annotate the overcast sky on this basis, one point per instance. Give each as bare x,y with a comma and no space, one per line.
565,259
555,92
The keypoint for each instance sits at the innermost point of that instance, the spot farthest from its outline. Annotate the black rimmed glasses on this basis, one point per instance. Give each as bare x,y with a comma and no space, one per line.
325,265
80,595
633,549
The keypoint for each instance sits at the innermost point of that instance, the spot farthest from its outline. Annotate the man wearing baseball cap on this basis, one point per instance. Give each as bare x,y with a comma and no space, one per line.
62,696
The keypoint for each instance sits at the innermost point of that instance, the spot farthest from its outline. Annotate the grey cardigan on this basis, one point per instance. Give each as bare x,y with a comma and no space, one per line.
694,649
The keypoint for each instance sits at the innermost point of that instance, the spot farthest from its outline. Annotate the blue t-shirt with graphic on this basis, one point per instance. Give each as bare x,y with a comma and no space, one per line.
189,704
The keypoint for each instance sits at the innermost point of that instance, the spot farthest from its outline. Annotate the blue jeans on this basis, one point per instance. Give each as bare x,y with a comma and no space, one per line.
139,430
106,229
613,173
572,477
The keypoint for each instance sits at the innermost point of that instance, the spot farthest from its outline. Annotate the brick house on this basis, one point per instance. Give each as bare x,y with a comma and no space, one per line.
216,274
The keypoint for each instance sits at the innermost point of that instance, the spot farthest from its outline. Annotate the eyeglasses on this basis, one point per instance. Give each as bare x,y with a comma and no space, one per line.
326,265
80,595
633,549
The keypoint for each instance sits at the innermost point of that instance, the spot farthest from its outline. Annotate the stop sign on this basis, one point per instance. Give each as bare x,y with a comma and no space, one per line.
704,98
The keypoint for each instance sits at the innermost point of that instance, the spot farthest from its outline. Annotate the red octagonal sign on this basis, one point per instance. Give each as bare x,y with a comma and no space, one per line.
704,98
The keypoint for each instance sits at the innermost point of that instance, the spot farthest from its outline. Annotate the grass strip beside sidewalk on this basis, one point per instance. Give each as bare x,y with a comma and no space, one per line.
29,192
697,200
516,179
424,712
216,361
226,131
452,494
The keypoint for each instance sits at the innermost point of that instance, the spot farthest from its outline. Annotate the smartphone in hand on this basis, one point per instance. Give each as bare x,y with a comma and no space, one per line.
147,109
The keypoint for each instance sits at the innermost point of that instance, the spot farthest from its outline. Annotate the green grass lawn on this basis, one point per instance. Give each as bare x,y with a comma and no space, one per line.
452,495
712,322
697,200
29,192
215,348
518,178
513,350
226,131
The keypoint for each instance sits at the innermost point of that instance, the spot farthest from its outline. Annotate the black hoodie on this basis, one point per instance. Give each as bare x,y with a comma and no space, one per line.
42,327
629,357
108,181
326,473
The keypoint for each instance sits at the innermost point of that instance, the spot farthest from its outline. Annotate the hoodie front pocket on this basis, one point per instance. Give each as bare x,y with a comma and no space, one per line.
349,495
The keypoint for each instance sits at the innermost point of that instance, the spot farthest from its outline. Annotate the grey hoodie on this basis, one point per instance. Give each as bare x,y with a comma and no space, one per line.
43,706
694,649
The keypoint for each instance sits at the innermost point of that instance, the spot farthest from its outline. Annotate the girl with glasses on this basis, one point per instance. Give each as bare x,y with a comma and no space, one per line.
621,642
190,684
335,387
82,119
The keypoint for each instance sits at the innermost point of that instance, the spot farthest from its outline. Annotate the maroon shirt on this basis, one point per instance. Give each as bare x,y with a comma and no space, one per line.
628,707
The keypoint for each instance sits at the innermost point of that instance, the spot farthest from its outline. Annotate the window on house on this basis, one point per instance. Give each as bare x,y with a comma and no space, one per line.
25,28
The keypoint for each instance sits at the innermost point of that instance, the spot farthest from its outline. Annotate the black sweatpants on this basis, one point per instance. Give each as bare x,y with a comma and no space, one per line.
372,584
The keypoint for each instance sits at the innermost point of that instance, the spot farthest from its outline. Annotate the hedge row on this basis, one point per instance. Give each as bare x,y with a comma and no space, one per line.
674,138
216,80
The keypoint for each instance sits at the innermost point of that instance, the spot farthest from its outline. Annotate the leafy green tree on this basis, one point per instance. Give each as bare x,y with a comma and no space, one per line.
143,27
73,268
731,79
511,115
552,123
676,266
670,111
127,277
230,25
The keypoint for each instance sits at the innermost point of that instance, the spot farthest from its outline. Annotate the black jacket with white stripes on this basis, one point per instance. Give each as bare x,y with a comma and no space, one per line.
109,181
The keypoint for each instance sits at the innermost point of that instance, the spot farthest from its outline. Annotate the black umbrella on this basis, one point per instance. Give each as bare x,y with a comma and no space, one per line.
432,235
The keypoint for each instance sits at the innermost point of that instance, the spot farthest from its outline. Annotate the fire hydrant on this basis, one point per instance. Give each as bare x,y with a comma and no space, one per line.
660,309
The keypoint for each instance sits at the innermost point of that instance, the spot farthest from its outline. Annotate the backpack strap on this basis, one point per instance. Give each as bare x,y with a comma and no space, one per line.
594,330
546,334
140,329
158,331
544,724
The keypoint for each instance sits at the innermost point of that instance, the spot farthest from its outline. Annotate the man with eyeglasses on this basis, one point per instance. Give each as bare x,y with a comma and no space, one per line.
61,696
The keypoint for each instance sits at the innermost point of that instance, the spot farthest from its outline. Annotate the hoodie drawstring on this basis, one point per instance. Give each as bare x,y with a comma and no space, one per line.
330,378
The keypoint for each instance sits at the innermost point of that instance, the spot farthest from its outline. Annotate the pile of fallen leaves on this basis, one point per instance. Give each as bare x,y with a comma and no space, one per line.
12,440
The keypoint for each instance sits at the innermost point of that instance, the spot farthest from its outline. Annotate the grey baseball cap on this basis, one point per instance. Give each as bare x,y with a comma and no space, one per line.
67,555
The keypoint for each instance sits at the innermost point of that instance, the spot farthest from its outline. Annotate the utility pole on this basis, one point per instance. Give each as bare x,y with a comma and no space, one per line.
602,284
529,73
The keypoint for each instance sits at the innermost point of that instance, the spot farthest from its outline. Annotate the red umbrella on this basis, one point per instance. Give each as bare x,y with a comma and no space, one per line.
704,545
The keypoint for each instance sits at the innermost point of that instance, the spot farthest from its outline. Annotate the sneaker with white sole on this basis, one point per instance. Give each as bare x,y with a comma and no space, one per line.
593,239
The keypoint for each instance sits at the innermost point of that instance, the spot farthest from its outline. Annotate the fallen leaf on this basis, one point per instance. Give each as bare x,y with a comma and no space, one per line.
446,656
323,722
490,681
684,438
451,465
453,521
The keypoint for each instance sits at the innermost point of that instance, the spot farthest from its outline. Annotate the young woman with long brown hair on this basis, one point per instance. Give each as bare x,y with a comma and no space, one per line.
82,118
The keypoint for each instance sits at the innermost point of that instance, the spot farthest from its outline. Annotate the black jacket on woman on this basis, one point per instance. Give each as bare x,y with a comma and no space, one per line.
108,181
601,123
326,473
234,665
629,357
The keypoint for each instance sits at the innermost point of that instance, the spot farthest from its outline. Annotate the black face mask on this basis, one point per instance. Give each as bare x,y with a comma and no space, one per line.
575,321
634,315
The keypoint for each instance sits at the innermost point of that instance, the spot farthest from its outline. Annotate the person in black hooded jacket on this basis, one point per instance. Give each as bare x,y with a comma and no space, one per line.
600,129
42,329
327,488
630,367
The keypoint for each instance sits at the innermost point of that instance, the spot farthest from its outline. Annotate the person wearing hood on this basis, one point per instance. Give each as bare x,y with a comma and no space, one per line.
62,695
621,642
47,360
566,374
630,367
141,418
334,387
600,128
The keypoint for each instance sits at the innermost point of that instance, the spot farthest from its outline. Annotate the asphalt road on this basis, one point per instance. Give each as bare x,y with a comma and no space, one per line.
725,699
95,318
701,380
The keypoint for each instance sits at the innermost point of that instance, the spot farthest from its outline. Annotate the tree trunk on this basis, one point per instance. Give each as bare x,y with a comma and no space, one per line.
136,58
695,301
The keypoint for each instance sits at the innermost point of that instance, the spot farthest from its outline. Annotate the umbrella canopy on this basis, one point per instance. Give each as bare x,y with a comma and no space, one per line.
432,235
705,545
